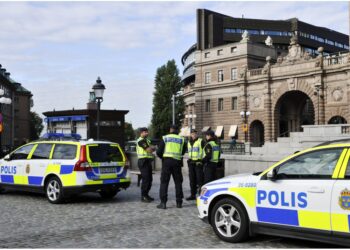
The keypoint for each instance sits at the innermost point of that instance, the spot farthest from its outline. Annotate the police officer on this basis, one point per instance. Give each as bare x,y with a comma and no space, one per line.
211,157
170,150
195,147
145,157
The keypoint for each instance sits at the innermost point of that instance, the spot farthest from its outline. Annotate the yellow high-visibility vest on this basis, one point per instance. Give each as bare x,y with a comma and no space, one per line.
195,152
173,146
215,151
141,153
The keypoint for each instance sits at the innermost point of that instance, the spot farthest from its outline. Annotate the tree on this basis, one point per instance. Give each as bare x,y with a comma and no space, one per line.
129,132
167,83
36,125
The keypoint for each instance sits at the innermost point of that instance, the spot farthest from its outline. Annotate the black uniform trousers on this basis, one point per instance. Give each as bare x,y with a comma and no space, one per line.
145,166
196,176
171,167
209,171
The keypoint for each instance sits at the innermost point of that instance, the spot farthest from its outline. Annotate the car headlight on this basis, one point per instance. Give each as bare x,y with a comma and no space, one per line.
203,191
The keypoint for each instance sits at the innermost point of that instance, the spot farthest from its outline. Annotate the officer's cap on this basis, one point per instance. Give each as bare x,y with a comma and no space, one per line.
143,129
193,131
210,133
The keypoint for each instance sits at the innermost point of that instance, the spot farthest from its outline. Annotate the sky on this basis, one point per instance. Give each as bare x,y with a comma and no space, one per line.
58,49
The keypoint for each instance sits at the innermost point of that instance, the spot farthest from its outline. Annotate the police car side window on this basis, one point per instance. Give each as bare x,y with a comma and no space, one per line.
347,173
42,151
64,152
314,165
22,153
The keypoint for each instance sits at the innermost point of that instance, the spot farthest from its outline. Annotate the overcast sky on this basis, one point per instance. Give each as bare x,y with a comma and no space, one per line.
57,49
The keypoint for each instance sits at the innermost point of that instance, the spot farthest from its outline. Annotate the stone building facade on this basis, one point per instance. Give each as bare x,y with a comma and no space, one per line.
282,90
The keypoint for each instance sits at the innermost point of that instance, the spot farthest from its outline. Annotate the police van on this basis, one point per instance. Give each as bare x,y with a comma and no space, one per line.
63,168
305,196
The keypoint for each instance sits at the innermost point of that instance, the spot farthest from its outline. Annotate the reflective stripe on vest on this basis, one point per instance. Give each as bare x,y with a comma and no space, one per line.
215,151
173,146
141,153
195,153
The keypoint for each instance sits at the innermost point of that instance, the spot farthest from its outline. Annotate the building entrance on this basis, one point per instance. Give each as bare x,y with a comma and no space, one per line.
293,110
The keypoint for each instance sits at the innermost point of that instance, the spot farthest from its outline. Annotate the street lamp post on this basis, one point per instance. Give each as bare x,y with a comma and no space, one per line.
245,115
173,104
318,87
98,90
190,118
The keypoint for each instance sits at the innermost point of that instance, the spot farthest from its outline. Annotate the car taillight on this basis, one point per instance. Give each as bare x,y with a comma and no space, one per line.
82,164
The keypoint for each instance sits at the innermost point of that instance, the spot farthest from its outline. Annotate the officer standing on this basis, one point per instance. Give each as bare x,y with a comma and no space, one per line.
145,157
195,167
170,150
211,157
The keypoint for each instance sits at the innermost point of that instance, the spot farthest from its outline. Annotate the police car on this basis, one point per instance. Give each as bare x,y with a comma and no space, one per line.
305,196
63,168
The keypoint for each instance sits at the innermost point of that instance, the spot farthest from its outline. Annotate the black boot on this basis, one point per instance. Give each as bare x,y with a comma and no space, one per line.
145,199
150,198
179,204
162,205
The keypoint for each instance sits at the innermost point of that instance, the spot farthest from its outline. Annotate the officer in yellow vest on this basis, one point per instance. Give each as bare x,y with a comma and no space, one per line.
195,147
211,157
170,150
145,157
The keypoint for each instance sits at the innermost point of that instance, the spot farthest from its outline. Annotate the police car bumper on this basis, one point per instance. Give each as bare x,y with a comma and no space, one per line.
202,210
94,188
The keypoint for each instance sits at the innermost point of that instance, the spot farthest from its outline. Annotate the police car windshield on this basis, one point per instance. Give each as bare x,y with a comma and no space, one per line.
105,153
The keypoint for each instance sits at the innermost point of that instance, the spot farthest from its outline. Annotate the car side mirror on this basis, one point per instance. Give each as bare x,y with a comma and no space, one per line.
7,157
272,174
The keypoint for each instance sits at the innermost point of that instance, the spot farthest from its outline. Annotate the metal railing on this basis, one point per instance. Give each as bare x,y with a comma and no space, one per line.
229,148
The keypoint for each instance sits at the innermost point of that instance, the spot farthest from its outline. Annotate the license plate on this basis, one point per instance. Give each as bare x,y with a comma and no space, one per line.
107,170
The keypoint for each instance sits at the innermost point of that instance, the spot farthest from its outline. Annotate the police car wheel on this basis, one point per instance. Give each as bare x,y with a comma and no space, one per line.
230,220
108,193
53,190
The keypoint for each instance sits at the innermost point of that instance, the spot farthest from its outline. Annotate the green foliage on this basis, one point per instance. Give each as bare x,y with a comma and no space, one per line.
129,132
36,125
167,83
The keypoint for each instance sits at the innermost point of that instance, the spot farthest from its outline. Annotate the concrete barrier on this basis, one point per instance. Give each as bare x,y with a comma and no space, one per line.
234,164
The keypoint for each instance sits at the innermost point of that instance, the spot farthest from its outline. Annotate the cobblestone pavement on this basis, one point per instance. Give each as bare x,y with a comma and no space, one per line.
30,221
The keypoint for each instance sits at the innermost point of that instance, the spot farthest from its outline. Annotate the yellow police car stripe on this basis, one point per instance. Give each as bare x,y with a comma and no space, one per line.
340,223
53,168
247,193
339,164
91,182
69,179
315,220
20,179
344,165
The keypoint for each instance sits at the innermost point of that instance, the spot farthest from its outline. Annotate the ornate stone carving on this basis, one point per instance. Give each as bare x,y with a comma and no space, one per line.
292,83
245,37
256,102
269,41
243,71
337,94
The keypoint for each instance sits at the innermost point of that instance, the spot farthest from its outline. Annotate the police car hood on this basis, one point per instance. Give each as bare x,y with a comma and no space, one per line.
232,179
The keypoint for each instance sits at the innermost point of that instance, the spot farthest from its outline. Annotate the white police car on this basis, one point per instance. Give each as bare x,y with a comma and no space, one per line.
305,196
62,168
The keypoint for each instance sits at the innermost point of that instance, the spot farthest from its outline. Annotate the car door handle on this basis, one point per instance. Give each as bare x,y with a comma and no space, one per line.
316,190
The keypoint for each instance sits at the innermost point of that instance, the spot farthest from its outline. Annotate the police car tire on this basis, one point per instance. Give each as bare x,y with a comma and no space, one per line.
243,232
56,182
108,193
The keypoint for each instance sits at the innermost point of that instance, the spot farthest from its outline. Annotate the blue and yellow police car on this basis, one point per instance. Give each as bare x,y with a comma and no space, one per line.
305,196
63,168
